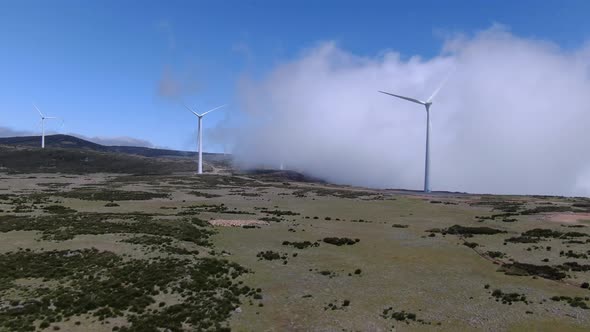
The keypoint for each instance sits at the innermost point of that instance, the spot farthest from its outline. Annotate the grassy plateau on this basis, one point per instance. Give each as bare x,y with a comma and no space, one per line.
114,251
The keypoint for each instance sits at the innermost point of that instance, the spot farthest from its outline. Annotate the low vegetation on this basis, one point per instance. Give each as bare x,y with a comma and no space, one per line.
111,195
68,226
203,194
340,241
58,209
103,285
403,316
508,298
576,302
270,255
468,231
337,305
525,269
301,245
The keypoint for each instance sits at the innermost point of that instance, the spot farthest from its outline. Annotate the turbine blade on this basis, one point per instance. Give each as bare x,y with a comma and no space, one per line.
191,110
211,110
406,98
439,87
37,108
50,117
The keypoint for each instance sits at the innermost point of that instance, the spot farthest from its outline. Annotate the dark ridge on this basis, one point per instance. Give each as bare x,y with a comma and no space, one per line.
72,142
85,161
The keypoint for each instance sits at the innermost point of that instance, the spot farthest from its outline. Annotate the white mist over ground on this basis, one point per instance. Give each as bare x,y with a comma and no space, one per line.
513,117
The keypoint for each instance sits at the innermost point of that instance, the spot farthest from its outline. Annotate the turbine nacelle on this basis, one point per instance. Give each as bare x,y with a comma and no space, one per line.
203,114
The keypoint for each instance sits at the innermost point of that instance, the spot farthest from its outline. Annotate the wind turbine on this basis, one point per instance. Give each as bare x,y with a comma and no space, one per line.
427,104
200,135
43,118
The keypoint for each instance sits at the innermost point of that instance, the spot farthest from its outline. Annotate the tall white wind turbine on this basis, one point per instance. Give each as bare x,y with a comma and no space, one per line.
43,118
200,135
427,104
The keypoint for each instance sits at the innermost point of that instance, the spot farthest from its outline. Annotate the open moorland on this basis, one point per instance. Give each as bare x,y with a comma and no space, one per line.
273,251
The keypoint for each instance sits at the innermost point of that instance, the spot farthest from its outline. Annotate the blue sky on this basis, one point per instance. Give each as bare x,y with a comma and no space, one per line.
100,65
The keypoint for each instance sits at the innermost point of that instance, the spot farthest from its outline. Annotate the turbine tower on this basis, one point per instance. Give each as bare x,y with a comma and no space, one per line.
200,135
427,104
43,118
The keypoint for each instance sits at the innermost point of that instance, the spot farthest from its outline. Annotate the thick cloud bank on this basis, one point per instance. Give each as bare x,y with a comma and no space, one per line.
514,117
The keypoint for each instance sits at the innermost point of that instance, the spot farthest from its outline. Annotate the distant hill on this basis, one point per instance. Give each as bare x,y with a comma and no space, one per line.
69,154
24,159
67,141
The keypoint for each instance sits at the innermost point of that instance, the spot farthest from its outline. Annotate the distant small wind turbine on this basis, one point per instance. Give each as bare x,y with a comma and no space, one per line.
200,135
427,104
43,118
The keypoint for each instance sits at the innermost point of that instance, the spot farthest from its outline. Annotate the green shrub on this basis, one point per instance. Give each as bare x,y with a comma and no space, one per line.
301,245
207,288
202,194
270,255
58,209
340,241
463,230
524,269
495,254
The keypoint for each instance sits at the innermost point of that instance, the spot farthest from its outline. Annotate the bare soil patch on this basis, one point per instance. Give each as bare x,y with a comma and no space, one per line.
237,222
568,217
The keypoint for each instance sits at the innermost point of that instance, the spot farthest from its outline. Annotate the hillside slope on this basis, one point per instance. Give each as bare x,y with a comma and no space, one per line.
67,141
82,161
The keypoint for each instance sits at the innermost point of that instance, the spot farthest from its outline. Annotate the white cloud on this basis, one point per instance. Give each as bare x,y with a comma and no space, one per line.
117,141
513,117
9,132
174,85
